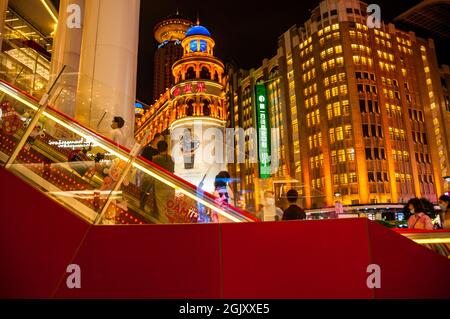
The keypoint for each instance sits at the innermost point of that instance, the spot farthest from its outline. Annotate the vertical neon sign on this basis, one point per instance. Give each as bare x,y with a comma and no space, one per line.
262,116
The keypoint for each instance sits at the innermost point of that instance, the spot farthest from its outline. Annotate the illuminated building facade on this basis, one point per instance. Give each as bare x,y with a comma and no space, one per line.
363,110
196,102
168,33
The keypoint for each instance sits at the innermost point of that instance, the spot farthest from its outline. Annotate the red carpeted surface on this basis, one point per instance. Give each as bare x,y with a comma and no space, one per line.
306,259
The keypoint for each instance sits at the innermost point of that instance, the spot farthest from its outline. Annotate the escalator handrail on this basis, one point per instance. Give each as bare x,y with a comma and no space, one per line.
127,151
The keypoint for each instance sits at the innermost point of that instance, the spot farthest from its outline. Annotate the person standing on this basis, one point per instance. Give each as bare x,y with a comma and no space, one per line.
418,219
117,133
293,211
444,204
152,148
163,192
146,181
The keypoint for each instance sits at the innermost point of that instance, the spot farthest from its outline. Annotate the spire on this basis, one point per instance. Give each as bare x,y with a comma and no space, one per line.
178,13
198,19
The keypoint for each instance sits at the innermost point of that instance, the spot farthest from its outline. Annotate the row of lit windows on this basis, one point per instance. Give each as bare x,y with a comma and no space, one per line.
360,26
362,60
404,49
342,156
316,161
328,29
306,51
397,134
335,36
359,34
312,101
403,41
310,89
382,34
345,178
391,94
308,64
332,63
313,118
361,48
385,55
307,76
383,42
337,109
398,155
337,134
316,183
305,43
334,78
389,82
330,51
335,91
402,177
393,110
315,140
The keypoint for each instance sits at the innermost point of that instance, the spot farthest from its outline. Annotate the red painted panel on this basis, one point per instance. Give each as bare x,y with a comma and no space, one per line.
296,259
38,238
408,270
149,261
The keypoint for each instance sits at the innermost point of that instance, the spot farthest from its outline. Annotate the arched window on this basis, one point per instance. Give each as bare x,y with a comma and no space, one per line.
190,73
206,107
204,73
216,76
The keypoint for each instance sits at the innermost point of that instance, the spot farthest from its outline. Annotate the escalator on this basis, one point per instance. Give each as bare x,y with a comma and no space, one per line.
88,174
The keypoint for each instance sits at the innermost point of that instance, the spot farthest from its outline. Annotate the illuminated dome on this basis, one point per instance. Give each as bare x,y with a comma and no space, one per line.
198,30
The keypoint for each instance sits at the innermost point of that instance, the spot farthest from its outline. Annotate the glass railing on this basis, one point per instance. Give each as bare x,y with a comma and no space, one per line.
101,182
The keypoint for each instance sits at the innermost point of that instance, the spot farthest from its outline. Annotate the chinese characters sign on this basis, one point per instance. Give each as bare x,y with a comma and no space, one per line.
189,88
262,116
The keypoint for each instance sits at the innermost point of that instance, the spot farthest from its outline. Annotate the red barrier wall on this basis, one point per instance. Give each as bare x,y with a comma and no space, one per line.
306,259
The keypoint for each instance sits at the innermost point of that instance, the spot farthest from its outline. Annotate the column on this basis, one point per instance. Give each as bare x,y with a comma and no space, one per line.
3,9
66,51
108,65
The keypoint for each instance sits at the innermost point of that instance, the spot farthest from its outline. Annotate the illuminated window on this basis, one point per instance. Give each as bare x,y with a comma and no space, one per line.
339,133
350,154
341,156
348,131
340,61
337,109
329,111
331,133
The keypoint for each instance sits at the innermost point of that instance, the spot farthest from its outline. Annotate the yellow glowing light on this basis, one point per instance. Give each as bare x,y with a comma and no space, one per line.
44,3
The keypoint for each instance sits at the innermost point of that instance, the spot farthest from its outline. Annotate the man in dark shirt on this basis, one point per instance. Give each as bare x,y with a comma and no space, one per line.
293,211
146,182
152,148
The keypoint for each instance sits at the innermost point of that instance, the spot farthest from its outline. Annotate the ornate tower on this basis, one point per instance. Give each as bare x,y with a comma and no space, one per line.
169,33
199,110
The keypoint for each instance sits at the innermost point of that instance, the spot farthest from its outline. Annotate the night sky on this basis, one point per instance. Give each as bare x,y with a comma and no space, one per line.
245,31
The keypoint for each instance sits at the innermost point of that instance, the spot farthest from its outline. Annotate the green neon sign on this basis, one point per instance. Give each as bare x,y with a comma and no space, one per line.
262,117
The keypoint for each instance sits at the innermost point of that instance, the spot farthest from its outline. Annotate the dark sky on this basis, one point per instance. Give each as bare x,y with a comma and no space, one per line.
245,31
